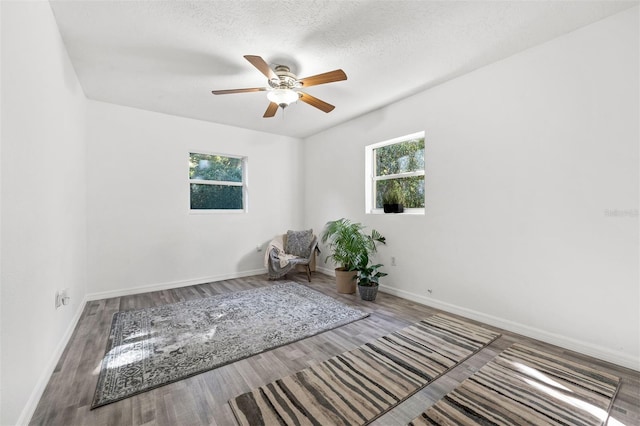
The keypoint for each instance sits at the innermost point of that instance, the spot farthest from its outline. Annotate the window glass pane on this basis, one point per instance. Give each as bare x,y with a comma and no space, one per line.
215,167
400,157
412,188
216,197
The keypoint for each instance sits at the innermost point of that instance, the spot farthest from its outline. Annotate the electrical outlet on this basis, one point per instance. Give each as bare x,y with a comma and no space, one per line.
258,248
62,298
393,261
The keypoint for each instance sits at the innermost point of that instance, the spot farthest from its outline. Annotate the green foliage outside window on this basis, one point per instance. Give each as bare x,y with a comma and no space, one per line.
412,188
215,167
215,196
398,158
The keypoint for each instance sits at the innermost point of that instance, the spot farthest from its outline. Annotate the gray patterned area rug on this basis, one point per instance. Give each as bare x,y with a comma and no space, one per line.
155,346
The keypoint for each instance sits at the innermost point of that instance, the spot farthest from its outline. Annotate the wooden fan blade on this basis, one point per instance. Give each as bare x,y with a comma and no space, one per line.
262,66
271,110
327,77
230,91
315,102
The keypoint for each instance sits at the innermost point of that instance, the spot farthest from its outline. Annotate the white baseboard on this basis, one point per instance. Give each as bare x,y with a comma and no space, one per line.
171,284
585,348
38,390
326,271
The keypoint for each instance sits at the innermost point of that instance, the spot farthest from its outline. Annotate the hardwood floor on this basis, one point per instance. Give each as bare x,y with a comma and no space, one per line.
202,399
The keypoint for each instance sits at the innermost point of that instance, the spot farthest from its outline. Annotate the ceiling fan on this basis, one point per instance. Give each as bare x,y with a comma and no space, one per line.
284,86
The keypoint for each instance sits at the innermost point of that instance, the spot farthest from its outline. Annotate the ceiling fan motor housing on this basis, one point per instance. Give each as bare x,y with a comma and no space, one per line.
286,79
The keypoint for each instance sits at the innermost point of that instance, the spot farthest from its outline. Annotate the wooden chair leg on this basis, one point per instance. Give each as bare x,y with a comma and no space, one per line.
309,273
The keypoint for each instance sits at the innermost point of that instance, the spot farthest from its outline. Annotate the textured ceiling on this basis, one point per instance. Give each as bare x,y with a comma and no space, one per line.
167,56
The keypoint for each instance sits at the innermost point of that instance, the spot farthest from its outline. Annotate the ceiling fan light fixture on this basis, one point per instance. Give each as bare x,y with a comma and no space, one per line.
282,97
283,85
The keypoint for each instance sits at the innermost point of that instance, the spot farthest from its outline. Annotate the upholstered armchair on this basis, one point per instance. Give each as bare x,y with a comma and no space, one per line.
293,250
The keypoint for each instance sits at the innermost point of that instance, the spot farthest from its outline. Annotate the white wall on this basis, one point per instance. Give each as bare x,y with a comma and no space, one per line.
43,203
524,159
141,235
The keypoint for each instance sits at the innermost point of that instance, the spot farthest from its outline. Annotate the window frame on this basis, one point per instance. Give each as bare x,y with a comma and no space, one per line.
244,183
371,178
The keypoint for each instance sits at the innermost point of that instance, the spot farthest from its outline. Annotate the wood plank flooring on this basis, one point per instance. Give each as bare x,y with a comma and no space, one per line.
202,399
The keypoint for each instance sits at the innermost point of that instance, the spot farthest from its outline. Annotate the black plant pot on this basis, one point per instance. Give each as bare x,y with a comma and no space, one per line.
368,292
393,208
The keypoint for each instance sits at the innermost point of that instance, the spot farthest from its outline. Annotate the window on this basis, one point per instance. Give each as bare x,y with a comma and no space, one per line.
396,163
217,182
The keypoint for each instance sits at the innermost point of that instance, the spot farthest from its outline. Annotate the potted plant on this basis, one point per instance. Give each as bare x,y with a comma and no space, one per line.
350,247
393,198
368,281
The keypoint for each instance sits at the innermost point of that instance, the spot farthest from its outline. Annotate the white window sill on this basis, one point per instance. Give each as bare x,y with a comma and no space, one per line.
212,211
410,212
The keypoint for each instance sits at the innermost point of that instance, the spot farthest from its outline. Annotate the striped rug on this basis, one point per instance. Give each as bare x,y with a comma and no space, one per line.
524,386
357,386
